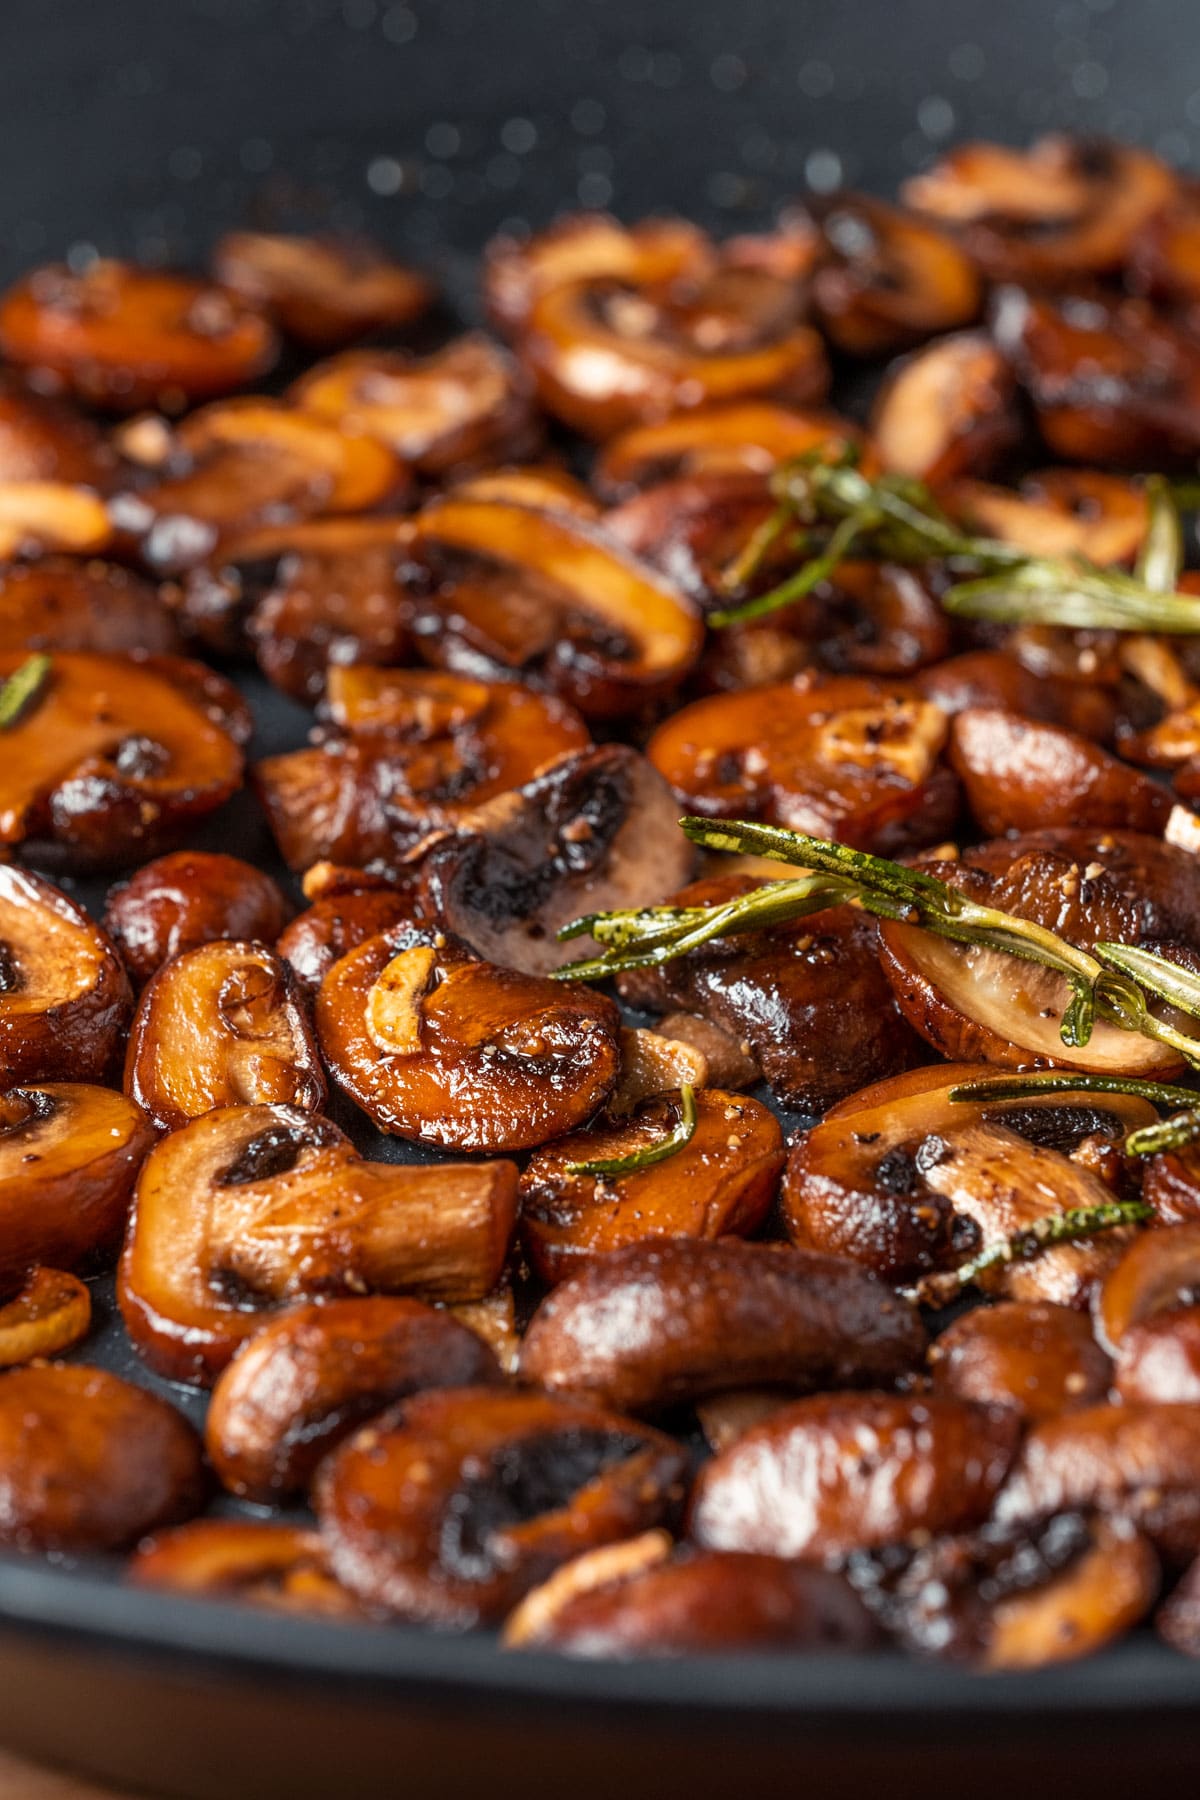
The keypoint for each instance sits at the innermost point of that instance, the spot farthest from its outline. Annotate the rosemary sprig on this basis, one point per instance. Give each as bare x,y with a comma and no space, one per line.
1169,1134
1067,1227
23,687
681,1133
1016,1087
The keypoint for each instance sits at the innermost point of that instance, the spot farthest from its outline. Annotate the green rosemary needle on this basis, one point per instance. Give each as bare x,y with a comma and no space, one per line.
1169,1134
680,1134
1066,1081
1066,1227
23,687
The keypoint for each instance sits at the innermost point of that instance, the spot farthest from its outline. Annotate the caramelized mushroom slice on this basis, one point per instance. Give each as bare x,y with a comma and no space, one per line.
221,1025
1040,1359
596,832
51,1312
321,291
283,1567
903,1179
836,1473
1148,1313
117,753
637,1600
465,406
751,437
651,1325
885,280
692,527
947,410
1021,774
442,1048
310,1378
524,590
337,923
89,1462
249,1209
37,516
58,604
64,996
48,440
846,758
124,337
721,1182
1052,215
69,1156
655,253
1000,680
1056,512
449,1508
192,897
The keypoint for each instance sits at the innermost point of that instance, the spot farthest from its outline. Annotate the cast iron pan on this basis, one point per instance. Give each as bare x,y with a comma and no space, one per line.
142,127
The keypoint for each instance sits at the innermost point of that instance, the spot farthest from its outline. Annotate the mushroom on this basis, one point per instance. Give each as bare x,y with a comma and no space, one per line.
1022,774
596,831
721,1182
1001,681
123,337
1178,1618
283,1567
338,922
650,1325
693,527
221,1025
947,410
89,1462
903,1179
655,253
885,280
465,406
1056,512
58,604
442,1048
528,590
64,996
321,291
252,1208
115,754
835,1473
48,440
51,1312
451,1506
1148,1314
1040,1359
310,1377
189,898
746,437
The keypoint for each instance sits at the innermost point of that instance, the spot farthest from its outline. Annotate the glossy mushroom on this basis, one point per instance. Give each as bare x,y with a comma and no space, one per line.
321,291
947,410
65,999
62,604
884,280
1038,1358
192,897
283,1567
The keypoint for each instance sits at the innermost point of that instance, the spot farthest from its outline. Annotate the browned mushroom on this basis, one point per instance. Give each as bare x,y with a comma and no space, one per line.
747,437
338,922
440,1047
90,1462
1021,774
947,410
320,290
884,279
126,337
653,1324
221,1025
65,999
42,439
310,1377
1004,681
721,1182
1023,1353
116,754
1056,512
192,897
1148,1314
58,604
449,1508
589,247
248,1209
283,1567
50,1313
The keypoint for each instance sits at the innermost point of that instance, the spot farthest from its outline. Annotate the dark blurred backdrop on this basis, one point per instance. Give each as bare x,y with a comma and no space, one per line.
140,125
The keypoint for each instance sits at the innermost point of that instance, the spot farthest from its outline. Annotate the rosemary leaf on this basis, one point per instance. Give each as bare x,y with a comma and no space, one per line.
1023,1246
1160,562
22,689
809,576
1166,979
1017,1087
680,1134
1169,1134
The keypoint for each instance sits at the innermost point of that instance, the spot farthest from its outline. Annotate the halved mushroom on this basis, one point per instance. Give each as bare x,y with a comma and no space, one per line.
747,437
1022,774
947,410
40,516
1038,1358
450,1507
545,484
525,590
654,1324
1148,1313
425,750
69,1156
720,1183
637,1599
440,1047
843,757
49,440
65,999
50,1313
596,832
465,406
692,527
192,897
320,290
58,604
125,337
807,1001
283,1567
589,247
90,1462
1151,887
1005,681
1056,512
221,1025
903,1179
310,1377
252,1208
1065,209
116,754
836,1473
884,280
338,922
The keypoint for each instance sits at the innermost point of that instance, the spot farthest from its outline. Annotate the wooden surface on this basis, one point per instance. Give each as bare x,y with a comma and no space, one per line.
22,1781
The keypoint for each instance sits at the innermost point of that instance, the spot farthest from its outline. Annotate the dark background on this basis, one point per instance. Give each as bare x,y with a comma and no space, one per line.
139,126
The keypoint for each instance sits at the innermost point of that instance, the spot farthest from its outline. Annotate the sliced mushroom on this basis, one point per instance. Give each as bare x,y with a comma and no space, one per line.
57,604
283,1567
449,1508
310,1377
1056,512
596,832
651,1325
125,337
692,528
1002,681
1021,774
90,1462
65,999
1040,1359
42,439
720,1183
50,1313
339,922
221,1025
947,410
190,898
321,290
40,516
884,280
751,437
248,1209
442,1048
589,247
836,1473
116,754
